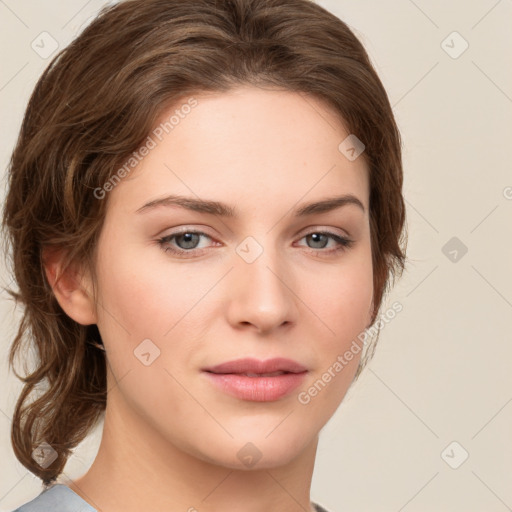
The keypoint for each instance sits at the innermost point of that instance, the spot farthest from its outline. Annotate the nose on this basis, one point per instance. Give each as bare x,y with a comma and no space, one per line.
261,295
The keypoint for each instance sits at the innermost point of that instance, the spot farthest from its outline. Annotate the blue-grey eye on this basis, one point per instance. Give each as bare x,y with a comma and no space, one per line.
317,240
190,240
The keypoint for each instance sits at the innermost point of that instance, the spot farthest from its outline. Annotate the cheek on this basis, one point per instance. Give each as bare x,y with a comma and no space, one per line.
145,298
156,302
141,318
343,300
150,298
341,297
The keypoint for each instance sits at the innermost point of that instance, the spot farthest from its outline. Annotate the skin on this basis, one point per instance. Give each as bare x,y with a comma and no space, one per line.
170,438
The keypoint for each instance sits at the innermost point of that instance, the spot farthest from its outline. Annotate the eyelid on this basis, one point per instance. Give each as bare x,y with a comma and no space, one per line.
328,229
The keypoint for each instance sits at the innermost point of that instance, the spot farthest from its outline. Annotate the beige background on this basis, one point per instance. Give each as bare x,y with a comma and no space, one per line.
442,371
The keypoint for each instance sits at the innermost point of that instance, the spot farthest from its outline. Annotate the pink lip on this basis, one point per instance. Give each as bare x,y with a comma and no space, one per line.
227,377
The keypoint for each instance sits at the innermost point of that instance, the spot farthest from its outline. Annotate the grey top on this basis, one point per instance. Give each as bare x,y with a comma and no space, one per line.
60,498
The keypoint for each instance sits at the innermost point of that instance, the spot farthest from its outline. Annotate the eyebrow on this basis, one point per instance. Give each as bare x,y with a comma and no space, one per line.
224,210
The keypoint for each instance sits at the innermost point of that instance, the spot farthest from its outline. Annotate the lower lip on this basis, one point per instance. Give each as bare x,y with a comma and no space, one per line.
257,389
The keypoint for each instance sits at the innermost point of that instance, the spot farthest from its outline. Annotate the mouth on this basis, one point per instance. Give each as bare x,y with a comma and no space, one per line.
257,381
273,374
251,366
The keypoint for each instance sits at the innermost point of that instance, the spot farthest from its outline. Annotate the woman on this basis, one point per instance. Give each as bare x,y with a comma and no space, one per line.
204,211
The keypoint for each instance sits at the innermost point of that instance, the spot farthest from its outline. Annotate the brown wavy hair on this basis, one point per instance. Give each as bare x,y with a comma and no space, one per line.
96,103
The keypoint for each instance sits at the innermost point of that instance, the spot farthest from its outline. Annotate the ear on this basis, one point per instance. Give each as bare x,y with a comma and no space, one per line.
71,286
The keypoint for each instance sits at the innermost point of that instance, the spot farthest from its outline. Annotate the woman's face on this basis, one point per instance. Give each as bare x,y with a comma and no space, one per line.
261,283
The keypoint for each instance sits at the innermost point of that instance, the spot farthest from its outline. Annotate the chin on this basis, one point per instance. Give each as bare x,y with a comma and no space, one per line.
252,450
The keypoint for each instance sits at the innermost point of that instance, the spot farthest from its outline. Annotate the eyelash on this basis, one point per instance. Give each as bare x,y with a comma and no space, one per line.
344,243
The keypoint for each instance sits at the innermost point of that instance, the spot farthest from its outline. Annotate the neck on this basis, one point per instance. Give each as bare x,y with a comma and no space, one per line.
136,469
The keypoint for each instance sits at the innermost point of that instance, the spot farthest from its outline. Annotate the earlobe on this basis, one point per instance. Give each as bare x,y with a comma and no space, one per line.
71,287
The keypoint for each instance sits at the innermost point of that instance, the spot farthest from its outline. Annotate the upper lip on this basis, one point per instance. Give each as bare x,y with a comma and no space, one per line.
250,365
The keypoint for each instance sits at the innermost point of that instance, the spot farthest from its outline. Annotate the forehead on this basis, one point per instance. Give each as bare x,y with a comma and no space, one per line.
247,145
